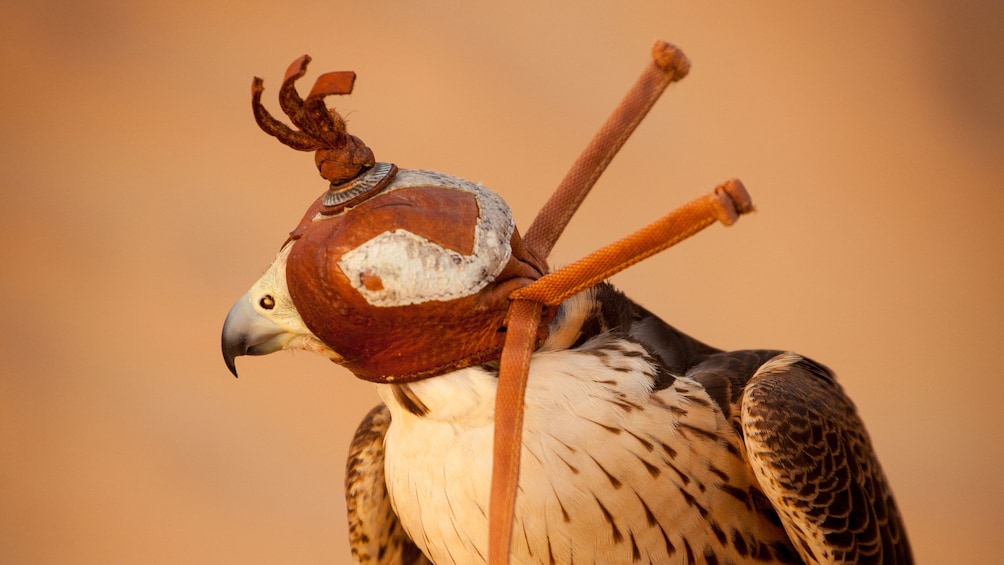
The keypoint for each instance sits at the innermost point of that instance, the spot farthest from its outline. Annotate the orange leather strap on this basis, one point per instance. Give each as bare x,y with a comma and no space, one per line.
524,316
725,204
668,65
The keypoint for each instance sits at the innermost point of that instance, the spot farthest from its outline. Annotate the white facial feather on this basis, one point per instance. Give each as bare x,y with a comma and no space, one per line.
271,289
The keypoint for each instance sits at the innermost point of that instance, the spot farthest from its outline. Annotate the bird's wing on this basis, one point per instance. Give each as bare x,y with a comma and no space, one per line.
814,461
375,532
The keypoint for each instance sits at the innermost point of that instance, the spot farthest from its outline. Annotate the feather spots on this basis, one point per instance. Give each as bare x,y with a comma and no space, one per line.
649,515
614,481
653,470
408,400
648,445
708,435
635,552
739,494
670,547
614,530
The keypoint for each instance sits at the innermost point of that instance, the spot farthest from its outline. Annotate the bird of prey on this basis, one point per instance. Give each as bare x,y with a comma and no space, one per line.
640,444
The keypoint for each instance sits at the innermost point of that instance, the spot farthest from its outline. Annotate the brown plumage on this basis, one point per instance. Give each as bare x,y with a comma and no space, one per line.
784,471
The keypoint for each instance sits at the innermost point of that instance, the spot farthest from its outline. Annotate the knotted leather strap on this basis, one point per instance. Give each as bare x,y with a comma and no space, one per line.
725,204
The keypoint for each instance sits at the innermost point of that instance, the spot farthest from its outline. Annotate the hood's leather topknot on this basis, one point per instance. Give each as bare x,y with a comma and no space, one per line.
339,157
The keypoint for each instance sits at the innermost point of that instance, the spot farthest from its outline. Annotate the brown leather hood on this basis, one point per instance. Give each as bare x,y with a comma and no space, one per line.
394,340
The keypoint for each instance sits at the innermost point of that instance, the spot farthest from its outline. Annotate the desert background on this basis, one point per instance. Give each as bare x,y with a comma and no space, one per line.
139,200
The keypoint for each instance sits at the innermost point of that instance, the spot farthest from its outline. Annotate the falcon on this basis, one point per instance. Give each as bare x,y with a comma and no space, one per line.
639,443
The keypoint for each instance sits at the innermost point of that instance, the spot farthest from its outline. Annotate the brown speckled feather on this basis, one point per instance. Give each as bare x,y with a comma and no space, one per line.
813,458
804,441
375,533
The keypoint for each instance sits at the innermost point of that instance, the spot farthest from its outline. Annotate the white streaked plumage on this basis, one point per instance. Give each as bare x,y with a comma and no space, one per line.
594,465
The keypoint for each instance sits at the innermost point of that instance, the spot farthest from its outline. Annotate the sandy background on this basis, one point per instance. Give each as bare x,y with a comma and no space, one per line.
140,200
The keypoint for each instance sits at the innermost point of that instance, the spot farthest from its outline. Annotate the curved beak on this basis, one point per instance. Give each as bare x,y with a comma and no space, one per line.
248,332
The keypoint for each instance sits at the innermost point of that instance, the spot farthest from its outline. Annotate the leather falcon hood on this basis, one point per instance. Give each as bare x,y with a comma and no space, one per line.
429,259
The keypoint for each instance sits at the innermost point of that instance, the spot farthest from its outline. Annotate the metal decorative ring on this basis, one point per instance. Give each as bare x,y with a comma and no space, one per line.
354,191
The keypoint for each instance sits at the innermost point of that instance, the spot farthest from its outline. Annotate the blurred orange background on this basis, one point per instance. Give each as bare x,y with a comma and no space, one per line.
140,200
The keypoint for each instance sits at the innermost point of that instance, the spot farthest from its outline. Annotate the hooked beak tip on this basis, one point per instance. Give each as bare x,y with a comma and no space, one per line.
231,351
230,364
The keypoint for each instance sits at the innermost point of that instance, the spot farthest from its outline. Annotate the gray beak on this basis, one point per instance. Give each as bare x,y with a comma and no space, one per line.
247,332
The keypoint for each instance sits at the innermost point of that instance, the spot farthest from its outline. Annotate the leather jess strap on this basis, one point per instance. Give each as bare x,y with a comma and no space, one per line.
725,204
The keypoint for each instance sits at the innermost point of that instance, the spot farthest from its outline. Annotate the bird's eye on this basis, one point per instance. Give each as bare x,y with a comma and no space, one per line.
267,302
